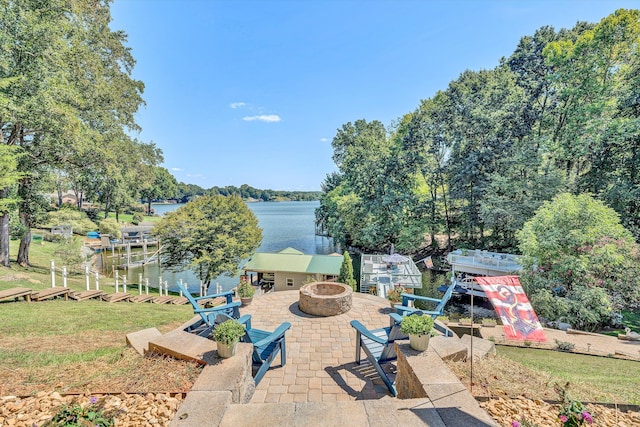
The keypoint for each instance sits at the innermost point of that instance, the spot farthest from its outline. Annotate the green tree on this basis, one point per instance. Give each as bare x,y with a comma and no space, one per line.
575,248
210,235
346,272
164,186
9,176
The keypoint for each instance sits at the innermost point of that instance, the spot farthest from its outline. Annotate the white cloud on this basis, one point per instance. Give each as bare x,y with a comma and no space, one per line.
263,118
176,169
235,105
324,139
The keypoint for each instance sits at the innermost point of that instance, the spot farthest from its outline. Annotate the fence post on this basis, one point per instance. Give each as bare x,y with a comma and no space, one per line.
117,280
160,285
64,277
97,281
218,288
139,283
86,276
124,284
201,289
146,285
181,289
166,288
53,274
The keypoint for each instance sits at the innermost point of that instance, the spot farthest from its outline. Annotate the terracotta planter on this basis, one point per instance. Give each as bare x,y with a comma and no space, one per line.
246,301
419,342
225,351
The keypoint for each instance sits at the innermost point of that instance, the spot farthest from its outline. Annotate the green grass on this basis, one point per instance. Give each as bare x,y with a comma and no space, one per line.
609,376
70,317
128,218
19,358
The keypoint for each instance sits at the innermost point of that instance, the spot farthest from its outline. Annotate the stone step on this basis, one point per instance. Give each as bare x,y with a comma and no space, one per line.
449,348
202,408
185,346
384,412
140,340
481,347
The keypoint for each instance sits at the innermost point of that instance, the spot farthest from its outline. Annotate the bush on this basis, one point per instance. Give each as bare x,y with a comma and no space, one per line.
137,218
415,324
111,227
78,220
228,332
245,289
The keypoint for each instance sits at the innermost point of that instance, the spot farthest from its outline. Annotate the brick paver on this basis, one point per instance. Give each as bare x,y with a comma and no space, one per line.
320,351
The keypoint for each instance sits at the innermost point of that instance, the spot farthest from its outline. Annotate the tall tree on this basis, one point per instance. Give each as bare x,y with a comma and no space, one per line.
164,186
210,236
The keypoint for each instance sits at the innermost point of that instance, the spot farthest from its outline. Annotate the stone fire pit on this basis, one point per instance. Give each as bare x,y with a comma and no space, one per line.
325,298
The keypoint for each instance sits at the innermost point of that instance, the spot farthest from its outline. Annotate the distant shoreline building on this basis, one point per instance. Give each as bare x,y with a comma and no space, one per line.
289,269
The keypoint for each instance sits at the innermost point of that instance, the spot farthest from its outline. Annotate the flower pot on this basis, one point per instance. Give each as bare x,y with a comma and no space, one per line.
226,351
419,342
246,301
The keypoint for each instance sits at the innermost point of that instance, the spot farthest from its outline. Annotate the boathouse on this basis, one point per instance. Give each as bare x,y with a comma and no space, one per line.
289,269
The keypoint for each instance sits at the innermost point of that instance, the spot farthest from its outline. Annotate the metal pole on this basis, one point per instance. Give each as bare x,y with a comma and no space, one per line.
471,371
53,274
64,277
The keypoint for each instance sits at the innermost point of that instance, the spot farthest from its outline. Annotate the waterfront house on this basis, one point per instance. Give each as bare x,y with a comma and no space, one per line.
289,269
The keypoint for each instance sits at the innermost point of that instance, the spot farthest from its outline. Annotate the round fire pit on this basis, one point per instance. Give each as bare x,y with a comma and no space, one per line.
325,298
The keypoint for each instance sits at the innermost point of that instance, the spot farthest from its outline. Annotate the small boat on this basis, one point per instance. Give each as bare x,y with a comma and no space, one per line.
465,286
629,336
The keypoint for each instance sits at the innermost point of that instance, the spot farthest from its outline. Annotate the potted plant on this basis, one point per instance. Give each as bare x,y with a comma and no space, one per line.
418,327
227,335
395,295
245,291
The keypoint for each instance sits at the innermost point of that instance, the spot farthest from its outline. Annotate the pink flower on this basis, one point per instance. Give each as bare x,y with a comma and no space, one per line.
563,418
515,424
587,417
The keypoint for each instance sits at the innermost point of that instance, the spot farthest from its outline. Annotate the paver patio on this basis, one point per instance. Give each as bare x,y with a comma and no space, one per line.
320,351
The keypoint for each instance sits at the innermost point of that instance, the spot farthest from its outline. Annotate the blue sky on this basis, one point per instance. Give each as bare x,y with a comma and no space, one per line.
252,92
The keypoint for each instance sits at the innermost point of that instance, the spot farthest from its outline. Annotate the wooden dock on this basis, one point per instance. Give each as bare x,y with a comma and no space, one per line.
116,297
50,294
85,295
15,293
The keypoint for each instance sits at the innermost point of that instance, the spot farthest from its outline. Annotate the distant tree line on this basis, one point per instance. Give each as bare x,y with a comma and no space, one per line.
474,162
187,192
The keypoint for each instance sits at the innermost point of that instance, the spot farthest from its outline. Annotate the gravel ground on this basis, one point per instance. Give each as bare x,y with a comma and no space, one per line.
130,409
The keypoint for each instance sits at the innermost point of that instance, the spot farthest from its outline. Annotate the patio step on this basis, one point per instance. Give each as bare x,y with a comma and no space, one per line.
327,414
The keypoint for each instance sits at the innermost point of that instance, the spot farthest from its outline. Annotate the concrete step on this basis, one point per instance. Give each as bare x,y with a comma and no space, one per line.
140,340
388,411
202,408
481,347
449,348
185,346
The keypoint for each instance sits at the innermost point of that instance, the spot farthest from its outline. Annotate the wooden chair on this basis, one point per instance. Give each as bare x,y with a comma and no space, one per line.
206,324
405,308
266,346
378,345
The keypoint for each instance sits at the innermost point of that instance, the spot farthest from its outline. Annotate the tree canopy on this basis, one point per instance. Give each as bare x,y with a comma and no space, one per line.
576,250
474,162
210,235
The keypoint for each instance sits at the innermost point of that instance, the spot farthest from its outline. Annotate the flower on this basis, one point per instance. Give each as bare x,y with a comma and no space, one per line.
515,424
587,417
563,418
93,400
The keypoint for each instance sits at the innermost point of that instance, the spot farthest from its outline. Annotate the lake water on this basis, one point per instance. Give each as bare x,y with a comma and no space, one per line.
284,224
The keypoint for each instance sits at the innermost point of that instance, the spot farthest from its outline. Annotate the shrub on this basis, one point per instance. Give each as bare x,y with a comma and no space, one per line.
78,220
564,346
228,332
77,415
137,218
111,227
395,294
415,324
245,289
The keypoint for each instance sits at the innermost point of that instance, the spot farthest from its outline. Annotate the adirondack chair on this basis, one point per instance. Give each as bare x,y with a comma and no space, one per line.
206,323
404,308
266,346
378,345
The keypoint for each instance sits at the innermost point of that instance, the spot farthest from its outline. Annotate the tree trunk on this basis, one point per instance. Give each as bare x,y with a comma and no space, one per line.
59,187
4,239
25,242
149,206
